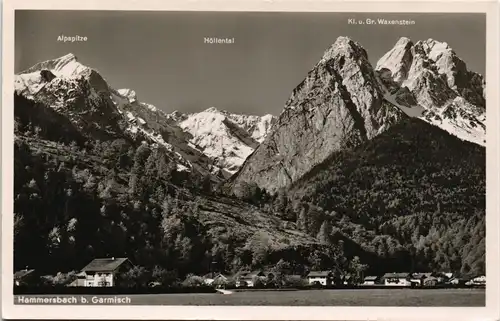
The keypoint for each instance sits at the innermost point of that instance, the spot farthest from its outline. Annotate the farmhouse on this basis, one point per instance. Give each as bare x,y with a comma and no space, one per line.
220,281
371,280
320,278
479,280
247,279
101,272
419,278
457,281
431,281
397,279
211,278
80,279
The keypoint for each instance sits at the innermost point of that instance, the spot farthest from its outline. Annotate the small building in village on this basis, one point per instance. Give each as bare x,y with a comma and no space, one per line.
79,280
431,281
347,279
220,281
478,280
371,280
397,279
418,279
102,272
212,278
248,279
457,281
320,278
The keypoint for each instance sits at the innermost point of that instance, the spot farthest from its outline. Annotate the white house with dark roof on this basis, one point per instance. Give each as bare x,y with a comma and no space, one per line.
102,272
371,280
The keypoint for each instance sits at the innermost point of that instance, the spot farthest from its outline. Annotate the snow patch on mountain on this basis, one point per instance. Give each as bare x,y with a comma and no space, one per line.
437,87
66,66
226,138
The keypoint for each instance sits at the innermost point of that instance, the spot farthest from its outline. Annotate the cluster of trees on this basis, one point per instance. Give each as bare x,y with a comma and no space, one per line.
414,196
73,204
412,199
69,212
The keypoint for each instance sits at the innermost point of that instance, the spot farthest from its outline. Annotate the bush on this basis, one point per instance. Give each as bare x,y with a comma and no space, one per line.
295,281
164,277
136,277
193,281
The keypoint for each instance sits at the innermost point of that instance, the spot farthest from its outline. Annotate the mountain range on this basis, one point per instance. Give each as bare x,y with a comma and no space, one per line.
344,102
378,162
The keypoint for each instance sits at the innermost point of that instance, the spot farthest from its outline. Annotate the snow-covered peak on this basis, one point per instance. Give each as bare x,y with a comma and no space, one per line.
434,46
128,93
433,81
398,60
66,66
225,137
257,126
403,41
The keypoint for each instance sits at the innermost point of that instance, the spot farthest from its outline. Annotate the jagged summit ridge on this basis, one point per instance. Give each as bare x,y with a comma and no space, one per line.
344,46
65,66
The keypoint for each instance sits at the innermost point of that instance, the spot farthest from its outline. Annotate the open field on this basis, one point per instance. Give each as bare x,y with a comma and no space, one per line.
365,297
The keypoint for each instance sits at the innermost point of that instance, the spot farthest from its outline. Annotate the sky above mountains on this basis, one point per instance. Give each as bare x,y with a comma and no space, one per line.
163,57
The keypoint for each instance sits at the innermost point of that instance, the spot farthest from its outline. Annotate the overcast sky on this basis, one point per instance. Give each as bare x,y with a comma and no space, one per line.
161,55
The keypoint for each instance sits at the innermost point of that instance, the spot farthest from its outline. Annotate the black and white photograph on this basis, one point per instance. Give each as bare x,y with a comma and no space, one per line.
246,158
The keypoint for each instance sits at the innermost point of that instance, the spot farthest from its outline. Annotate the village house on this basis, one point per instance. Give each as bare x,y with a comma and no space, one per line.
24,277
211,278
320,278
431,281
419,278
397,279
80,279
479,280
248,279
101,272
371,280
220,281
457,281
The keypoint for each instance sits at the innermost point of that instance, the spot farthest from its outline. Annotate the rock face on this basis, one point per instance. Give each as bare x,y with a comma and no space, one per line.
436,81
228,139
339,105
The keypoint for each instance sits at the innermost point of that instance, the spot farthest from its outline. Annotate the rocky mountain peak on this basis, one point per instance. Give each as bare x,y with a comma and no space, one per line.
429,76
397,60
337,106
129,94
